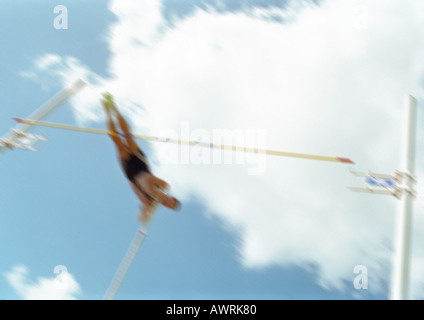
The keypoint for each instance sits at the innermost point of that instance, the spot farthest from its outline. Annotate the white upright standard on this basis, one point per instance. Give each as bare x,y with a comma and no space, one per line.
16,137
403,223
401,185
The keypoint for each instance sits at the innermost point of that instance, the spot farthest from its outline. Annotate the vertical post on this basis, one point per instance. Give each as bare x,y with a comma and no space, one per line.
46,109
403,223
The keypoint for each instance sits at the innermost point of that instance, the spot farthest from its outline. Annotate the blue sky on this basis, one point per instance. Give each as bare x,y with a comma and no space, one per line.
293,231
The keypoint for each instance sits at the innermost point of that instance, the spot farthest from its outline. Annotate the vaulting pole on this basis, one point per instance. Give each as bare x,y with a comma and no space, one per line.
129,257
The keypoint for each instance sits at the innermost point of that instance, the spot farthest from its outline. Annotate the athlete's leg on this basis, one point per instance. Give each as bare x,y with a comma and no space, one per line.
120,146
126,130
109,104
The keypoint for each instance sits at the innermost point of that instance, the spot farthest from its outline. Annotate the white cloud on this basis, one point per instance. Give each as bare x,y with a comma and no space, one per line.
330,81
48,61
61,287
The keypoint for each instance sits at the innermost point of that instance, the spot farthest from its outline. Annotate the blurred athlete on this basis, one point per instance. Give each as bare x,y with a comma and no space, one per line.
147,187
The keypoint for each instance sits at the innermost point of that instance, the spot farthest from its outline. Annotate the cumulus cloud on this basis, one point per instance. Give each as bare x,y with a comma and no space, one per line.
61,287
327,79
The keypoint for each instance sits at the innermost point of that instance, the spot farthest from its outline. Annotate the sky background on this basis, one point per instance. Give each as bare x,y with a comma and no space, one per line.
319,77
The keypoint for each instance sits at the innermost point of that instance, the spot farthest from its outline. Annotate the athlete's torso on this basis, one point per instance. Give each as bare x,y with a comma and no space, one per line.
135,164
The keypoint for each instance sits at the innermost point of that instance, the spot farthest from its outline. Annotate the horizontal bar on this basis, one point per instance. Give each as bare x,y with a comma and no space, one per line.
188,142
